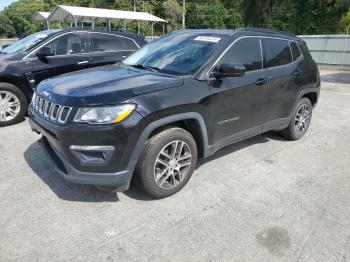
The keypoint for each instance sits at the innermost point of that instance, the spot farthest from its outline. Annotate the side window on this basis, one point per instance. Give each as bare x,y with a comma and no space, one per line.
106,43
245,51
295,50
277,52
129,44
73,43
305,50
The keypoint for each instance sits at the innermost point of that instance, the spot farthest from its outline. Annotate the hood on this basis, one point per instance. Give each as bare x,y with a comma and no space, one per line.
104,85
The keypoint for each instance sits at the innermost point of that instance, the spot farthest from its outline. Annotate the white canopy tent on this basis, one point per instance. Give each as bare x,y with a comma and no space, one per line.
78,15
41,17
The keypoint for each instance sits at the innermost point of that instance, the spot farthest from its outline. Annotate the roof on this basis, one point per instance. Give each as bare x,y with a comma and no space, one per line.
40,16
70,13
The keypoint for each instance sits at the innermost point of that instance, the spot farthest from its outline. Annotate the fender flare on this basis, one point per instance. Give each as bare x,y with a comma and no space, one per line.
161,122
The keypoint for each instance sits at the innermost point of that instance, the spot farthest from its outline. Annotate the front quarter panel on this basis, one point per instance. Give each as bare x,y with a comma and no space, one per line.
193,96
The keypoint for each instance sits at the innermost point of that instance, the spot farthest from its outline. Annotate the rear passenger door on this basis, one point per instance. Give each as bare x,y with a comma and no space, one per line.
109,48
283,87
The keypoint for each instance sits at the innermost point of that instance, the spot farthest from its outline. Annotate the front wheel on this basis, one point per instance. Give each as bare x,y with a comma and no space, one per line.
300,120
166,163
13,104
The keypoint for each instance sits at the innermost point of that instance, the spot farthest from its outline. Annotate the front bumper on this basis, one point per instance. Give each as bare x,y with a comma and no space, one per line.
120,180
113,169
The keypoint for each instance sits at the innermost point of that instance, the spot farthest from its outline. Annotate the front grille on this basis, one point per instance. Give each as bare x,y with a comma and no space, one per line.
47,109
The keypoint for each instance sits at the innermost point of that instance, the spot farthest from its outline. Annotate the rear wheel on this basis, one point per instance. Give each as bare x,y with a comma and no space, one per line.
166,163
300,120
13,104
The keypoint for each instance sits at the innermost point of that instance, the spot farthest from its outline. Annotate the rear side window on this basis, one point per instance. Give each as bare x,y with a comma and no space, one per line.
295,50
129,44
305,50
247,52
110,43
277,52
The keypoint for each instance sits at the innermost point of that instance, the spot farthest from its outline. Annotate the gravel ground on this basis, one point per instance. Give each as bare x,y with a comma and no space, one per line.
264,199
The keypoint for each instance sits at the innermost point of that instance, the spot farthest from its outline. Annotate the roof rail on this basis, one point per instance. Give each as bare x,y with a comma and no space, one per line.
263,30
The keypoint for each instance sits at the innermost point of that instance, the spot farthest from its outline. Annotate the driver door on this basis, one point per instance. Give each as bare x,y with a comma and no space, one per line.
69,53
239,103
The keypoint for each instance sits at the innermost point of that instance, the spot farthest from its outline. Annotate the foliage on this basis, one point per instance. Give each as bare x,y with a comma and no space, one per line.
297,16
345,22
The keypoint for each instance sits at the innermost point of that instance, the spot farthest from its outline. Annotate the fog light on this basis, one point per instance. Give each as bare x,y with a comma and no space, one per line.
92,155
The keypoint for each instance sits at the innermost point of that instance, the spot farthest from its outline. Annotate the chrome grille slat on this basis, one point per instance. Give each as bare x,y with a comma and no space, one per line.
53,112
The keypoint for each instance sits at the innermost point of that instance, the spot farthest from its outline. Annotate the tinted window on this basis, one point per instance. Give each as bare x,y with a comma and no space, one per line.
68,44
305,50
295,50
277,52
110,43
247,52
129,44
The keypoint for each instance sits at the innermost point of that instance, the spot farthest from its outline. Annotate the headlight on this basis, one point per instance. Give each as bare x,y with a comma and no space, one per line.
104,115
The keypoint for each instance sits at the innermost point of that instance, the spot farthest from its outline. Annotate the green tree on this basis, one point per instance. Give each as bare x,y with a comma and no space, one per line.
6,27
172,12
345,22
205,14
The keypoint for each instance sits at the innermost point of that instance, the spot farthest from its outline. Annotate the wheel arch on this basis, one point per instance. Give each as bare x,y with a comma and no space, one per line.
17,83
192,122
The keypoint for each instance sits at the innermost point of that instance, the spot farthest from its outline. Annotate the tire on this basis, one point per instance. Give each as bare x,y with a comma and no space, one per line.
300,120
11,94
158,158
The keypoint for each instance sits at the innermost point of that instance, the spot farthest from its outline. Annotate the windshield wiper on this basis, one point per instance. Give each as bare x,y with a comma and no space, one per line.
141,66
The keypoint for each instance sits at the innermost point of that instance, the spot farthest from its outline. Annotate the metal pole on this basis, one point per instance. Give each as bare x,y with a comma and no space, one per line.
109,25
152,31
324,49
47,24
75,22
345,47
183,14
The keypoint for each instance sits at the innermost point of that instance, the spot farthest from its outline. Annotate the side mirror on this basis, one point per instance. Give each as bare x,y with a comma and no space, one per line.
229,70
44,52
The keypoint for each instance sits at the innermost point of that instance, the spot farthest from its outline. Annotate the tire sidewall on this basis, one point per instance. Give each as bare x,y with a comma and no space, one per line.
147,180
22,99
294,134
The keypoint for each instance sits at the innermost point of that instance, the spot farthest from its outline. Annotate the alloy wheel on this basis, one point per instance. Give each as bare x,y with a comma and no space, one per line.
10,106
172,164
302,119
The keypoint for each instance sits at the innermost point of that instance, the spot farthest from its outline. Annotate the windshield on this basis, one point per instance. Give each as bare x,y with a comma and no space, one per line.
27,42
179,53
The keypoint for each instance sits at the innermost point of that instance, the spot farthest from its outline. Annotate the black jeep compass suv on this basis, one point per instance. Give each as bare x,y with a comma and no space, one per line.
45,54
181,97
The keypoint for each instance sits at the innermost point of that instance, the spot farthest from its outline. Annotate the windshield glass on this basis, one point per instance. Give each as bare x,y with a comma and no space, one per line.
27,42
179,53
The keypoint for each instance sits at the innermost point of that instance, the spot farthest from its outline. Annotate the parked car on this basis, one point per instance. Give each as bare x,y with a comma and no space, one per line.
42,55
178,98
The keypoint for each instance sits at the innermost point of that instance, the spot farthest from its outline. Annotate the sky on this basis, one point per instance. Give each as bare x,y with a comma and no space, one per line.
5,3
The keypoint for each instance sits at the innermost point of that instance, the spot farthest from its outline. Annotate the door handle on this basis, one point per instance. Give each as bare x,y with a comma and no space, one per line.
261,81
298,73
123,56
83,62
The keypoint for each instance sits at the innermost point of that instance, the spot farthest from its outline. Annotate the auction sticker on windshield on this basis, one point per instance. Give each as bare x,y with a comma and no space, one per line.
208,39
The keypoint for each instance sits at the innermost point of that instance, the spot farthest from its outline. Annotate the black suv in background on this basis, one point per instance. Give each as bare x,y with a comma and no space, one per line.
183,96
49,53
